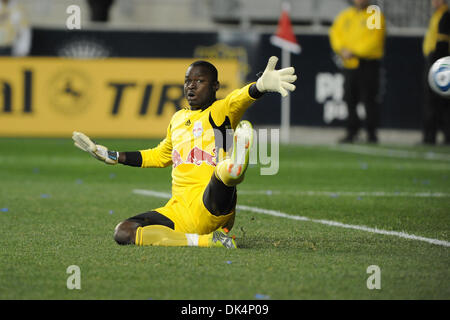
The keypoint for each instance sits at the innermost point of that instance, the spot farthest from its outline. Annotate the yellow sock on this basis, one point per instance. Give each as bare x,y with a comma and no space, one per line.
223,174
204,240
156,235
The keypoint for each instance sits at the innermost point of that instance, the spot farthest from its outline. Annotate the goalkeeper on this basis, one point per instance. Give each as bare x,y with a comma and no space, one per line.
201,210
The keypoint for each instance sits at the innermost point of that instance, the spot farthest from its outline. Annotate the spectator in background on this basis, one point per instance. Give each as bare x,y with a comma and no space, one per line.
435,46
360,47
15,32
100,10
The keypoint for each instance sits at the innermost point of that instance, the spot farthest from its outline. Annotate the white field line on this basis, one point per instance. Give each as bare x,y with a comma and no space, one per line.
151,193
279,214
347,193
392,153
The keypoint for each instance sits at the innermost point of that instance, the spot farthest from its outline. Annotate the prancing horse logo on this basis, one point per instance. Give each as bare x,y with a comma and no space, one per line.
70,92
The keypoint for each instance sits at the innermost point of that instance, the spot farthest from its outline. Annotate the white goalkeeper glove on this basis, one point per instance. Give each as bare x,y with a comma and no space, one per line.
96,150
276,80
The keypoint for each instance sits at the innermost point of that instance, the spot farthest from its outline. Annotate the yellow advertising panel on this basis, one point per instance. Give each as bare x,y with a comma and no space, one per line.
51,97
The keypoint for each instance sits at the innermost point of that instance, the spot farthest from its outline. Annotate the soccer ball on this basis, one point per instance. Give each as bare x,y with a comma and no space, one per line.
439,77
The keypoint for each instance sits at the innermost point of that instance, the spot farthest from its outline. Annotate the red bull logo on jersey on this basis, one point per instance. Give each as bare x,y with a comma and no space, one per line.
195,156
176,158
198,129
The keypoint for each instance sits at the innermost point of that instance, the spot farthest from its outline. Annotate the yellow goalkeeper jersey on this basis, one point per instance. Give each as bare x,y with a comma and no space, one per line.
196,141
350,30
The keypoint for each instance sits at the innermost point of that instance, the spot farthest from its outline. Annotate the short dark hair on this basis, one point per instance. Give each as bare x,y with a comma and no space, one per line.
211,68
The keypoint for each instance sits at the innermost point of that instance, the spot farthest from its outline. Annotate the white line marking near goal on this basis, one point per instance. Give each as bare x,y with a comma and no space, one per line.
392,153
280,214
343,225
152,193
347,193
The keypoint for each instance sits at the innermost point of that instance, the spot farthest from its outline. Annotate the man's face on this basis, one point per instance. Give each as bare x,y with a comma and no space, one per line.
360,4
437,3
199,87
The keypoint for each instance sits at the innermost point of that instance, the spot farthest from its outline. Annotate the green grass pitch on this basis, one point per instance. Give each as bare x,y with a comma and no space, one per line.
59,206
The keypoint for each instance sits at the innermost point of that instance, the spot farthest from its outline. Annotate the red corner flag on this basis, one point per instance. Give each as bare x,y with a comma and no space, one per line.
285,37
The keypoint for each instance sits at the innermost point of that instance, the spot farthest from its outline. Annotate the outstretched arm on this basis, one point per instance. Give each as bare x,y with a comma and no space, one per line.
131,158
254,92
83,142
158,157
271,80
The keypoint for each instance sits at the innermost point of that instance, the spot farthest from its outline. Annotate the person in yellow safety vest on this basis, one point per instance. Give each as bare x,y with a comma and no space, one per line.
359,43
436,112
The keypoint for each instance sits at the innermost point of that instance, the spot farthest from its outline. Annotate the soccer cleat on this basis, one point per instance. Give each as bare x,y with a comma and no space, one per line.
221,239
225,229
242,142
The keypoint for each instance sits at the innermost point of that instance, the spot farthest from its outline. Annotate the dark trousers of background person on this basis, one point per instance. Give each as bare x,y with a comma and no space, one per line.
436,113
5,51
100,9
362,85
